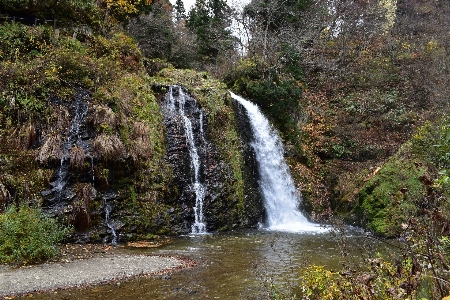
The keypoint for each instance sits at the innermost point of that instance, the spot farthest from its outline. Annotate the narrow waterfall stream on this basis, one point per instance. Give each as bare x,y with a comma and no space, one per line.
110,223
78,111
281,198
176,98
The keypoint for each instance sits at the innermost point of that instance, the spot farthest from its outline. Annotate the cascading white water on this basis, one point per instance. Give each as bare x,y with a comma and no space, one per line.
79,113
110,223
199,226
171,103
281,198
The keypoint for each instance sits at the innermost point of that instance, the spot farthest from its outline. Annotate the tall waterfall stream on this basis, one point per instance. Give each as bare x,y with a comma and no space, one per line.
175,104
281,198
76,136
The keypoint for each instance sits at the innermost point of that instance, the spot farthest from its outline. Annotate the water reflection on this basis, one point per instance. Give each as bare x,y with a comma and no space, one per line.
234,265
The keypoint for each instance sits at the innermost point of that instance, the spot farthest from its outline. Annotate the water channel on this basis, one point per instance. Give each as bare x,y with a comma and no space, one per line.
233,265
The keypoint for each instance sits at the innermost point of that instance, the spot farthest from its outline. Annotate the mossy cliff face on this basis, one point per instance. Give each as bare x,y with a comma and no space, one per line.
82,130
231,200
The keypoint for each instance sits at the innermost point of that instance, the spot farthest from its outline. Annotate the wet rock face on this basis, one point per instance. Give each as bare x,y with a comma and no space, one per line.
254,205
75,163
75,194
95,184
219,201
187,150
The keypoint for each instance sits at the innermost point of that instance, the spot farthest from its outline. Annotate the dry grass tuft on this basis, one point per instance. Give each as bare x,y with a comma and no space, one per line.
51,151
81,218
109,147
141,147
77,157
100,114
23,137
5,197
140,131
28,136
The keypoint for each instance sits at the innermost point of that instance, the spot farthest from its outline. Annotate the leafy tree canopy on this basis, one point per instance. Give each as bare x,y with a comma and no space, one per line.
77,11
180,12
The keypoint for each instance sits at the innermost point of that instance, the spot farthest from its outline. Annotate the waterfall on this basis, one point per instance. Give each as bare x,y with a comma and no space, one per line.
176,97
78,112
281,198
110,223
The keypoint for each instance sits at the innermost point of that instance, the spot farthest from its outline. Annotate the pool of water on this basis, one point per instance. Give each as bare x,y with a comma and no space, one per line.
236,265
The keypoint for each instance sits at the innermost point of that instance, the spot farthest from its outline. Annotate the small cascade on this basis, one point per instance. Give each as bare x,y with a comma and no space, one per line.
171,100
60,178
176,106
78,112
281,198
110,223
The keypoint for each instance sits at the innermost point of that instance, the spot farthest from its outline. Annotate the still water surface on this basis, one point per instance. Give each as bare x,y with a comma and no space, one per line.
234,265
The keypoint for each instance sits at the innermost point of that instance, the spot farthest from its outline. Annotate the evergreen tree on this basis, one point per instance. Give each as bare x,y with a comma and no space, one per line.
154,31
210,21
180,12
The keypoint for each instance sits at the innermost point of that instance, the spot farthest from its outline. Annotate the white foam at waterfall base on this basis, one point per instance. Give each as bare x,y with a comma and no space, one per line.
281,198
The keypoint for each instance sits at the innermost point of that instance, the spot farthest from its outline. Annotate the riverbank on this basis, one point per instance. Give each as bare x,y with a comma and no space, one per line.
83,266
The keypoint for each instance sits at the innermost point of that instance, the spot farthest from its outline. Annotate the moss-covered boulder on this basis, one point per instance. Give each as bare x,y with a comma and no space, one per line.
405,186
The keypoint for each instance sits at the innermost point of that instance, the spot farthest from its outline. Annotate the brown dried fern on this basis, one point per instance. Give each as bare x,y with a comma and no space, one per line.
51,151
109,147
77,157
141,147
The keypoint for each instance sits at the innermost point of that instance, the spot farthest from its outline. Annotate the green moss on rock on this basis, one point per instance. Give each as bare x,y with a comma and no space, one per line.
397,192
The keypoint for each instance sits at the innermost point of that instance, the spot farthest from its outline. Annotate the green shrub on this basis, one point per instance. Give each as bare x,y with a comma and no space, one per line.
376,278
66,12
387,199
28,236
18,41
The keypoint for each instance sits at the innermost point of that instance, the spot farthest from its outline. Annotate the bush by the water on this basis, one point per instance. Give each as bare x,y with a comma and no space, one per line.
28,236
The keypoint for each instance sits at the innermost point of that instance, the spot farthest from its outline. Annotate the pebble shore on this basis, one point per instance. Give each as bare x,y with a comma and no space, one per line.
82,272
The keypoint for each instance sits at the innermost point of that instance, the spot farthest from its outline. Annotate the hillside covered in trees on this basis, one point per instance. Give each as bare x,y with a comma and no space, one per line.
359,91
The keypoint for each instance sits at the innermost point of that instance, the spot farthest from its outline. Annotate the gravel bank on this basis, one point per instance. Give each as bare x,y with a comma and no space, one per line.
82,272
